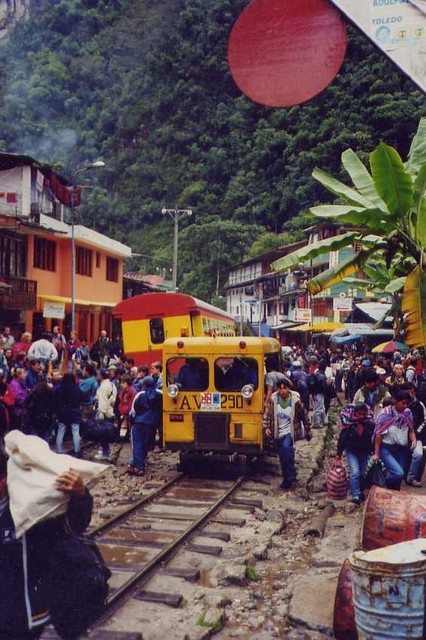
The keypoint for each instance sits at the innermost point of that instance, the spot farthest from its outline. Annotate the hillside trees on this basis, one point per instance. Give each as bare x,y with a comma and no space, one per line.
144,84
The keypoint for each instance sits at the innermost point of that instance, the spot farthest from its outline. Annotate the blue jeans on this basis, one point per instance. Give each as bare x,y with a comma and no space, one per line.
286,453
75,429
416,465
140,437
319,415
395,459
357,463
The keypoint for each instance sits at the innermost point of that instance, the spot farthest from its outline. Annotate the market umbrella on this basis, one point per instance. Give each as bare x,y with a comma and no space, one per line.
390,346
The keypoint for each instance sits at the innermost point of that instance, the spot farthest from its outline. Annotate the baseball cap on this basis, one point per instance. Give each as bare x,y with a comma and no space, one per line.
380,371
366,363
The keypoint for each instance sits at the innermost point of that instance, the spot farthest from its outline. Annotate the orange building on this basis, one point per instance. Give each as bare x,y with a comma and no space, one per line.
35,256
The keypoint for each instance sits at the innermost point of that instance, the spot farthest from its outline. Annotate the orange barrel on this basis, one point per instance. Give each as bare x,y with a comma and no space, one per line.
391,517
337,484
344,627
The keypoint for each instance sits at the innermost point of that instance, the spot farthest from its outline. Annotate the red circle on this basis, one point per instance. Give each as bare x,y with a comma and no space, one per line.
284,52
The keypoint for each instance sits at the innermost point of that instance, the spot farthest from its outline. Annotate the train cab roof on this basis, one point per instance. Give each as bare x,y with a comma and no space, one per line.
237,345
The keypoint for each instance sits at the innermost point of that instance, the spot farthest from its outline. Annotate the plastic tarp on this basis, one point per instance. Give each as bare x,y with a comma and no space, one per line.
32,470
345,339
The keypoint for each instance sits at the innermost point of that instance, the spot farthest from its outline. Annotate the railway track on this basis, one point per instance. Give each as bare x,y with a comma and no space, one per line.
146,539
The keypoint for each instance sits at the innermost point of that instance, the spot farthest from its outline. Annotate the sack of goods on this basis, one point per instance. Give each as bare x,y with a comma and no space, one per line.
100,431
337,482
375,474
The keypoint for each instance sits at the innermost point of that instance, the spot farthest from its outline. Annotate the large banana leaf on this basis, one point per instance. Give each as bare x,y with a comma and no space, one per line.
420,206
392,182
417,154
341,190
414,305
311,251
362,179
372,219
339,272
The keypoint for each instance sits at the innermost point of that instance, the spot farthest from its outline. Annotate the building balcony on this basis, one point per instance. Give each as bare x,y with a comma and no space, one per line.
17,294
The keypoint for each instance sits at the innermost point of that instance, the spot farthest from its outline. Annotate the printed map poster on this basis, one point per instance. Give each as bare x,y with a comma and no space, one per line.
397,27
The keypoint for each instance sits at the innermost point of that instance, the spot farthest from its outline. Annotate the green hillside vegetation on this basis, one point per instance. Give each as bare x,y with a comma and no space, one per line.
144,85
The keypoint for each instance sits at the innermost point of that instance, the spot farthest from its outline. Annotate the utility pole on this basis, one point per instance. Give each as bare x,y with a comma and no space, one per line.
176,214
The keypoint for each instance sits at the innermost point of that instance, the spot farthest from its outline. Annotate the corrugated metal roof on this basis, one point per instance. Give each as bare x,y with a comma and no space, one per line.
376,310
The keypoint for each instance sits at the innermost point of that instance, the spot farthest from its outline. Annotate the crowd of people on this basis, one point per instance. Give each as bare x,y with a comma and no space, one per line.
381,402
55,385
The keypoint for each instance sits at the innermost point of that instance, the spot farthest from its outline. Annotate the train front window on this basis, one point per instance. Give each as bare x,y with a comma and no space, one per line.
231,374
156,329
190,374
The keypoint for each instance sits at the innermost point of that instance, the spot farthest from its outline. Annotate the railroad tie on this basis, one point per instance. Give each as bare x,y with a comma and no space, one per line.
209,549
171,599
191,575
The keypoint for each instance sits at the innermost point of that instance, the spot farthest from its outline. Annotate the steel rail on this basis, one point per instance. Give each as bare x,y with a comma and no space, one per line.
115,520
142,576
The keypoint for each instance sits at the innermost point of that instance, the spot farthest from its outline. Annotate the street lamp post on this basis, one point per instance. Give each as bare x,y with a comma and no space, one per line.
176,214
98,164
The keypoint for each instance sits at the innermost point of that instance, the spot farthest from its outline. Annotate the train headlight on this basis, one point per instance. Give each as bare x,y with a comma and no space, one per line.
172,391
247,391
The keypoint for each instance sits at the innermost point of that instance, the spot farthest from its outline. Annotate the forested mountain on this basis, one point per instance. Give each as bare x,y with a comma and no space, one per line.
144,85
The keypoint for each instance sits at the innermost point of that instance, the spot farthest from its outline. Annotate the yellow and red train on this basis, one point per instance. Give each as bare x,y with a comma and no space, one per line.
149,319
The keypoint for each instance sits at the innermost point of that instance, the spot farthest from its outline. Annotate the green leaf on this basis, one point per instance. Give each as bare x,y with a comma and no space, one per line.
395,285
417,153
420,206
315,249
340,189
392,182
339,272
359,216
362,179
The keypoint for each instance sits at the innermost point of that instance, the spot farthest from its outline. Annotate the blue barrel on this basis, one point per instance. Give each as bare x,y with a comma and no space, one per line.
389,591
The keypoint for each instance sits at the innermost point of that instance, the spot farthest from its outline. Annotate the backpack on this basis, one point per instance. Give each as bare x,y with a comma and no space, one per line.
312,383
78,584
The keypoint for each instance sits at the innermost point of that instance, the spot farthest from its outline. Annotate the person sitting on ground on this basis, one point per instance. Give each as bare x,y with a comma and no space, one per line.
355,439
286,420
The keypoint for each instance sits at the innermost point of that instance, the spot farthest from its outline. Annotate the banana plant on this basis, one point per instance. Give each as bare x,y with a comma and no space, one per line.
387,208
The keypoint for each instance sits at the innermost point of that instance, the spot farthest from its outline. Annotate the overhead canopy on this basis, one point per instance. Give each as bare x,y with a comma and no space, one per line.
366,329
319,327
346,339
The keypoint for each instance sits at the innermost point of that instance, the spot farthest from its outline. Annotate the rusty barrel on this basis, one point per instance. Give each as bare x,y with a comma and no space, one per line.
391,517
344,627
389,591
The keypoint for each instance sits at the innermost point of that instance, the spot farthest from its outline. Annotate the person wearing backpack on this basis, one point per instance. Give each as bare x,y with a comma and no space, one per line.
145,415
24,561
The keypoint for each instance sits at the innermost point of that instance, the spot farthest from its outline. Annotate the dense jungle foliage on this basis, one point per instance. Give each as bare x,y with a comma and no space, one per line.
144,85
